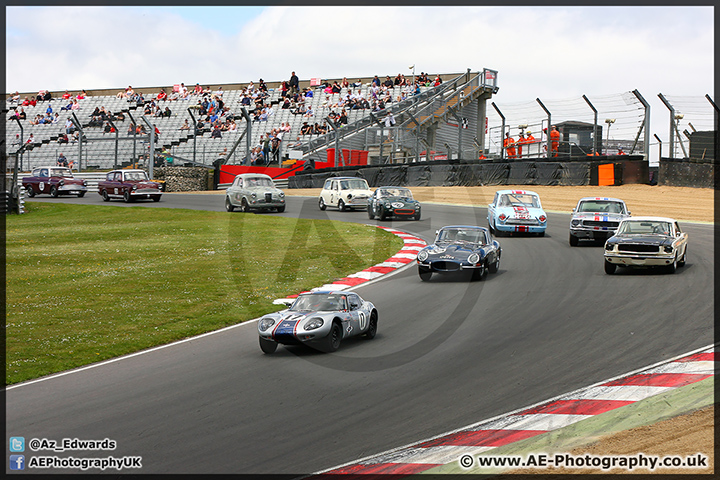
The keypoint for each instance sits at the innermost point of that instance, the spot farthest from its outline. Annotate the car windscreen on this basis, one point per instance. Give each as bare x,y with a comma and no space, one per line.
317,302
258,182
396,192
600,206
359,184
135,176
61,172
644,227
519,200
468,235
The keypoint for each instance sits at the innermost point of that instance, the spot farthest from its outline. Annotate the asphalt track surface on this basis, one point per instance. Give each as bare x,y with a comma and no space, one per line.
448,353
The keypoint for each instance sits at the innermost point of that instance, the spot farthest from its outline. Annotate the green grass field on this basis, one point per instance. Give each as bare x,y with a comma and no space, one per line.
87,283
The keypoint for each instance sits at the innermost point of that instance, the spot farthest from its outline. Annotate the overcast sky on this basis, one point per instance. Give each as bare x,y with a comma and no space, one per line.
542,52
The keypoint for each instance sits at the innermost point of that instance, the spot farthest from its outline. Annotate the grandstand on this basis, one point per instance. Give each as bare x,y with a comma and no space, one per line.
460,99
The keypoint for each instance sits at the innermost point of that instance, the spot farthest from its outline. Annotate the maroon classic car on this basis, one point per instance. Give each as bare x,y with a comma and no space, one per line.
130,185
54,181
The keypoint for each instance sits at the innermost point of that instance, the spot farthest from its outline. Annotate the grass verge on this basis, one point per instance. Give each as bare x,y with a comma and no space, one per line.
87,283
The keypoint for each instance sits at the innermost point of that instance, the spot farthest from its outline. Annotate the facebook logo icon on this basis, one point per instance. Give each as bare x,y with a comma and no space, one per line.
17,462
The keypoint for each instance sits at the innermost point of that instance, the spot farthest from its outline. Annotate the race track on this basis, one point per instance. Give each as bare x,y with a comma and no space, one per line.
448,353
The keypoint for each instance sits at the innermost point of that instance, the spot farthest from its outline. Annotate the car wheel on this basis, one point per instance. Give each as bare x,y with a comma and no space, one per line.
681,262
673,266
268,346
372,327
105,196
498,233
416,216
382,214
281,209
321,204
610,267
495,266
126,196
228,205
479,273
54,191
371,215
332,341
341,205
244,206
30,192
573,240
424,273
156,198
81,194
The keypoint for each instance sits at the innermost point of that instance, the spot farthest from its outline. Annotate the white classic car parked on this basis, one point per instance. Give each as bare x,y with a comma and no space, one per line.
646,242
345,193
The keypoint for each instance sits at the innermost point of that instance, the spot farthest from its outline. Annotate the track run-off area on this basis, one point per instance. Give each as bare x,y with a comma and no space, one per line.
448,353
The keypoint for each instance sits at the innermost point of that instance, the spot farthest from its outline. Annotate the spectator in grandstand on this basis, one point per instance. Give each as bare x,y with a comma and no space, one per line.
309,112
14,115
56,118
343,119
162,95
66,95
284,88
61,160
253,156
216,132
197,90
167,113
14,98
232,126
296,143
262,86
294,83
157,132
30,139
438,81
185,126
275,148
336,88
17,140
183,92
82,95
63,138
37,120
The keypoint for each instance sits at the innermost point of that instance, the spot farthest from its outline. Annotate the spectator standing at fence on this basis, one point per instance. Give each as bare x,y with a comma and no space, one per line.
275,148
520,142
62,161
509,145
554,141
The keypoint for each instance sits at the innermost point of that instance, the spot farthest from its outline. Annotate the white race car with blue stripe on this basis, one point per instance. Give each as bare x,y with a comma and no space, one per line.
596,218
318,319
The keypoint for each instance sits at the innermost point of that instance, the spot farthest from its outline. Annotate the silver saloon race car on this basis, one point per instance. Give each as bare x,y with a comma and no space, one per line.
596,218
320,320
646,242
254,191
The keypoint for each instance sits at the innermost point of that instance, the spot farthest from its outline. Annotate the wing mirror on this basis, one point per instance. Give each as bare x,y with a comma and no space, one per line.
284,301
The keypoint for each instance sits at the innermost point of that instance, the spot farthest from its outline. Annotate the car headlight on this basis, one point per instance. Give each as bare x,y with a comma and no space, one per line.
266,323
609,246
314,323
134,187
282,194
542,218
62,182
575,222
668,248
254,195
349,196
473,258
423,255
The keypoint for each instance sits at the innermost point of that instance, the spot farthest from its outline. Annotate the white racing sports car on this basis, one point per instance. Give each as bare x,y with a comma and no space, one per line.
320,320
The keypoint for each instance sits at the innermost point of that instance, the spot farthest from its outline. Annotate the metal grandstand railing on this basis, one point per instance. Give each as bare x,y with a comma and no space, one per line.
447,94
